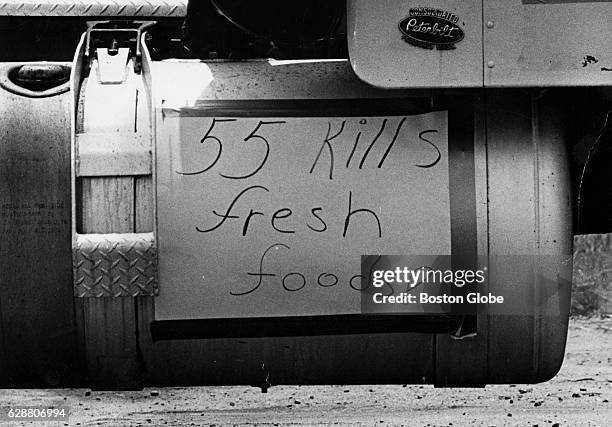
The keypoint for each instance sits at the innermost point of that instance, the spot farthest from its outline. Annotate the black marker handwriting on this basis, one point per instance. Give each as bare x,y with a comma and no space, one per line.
435,162
327,143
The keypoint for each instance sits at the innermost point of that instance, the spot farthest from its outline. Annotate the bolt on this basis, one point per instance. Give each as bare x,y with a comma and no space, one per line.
490,64
490,24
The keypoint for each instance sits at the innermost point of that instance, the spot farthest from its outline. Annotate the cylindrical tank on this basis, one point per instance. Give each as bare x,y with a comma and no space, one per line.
508,197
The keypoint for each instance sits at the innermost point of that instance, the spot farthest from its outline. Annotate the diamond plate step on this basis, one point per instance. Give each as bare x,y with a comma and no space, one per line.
95,8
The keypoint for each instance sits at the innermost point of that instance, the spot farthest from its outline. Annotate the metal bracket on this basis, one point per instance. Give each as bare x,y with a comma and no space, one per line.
112,66
115,35
112,136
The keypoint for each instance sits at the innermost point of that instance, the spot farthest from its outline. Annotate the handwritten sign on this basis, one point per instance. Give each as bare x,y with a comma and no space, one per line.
269,216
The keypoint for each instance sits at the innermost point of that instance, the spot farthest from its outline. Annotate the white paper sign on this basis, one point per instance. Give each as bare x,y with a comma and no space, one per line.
269,216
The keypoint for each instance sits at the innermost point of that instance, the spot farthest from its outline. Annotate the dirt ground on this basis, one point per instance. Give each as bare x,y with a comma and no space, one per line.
580,395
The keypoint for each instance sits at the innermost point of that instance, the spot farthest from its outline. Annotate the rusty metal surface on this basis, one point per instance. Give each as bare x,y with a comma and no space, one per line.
114,265
186,83
106,8
544,44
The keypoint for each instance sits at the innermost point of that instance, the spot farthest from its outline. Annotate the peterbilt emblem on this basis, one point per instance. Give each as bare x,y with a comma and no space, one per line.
428,28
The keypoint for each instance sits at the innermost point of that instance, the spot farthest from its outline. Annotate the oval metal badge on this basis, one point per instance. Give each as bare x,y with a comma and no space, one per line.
428,28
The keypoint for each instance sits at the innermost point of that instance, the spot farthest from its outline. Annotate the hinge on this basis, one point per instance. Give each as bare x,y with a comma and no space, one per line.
114,44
